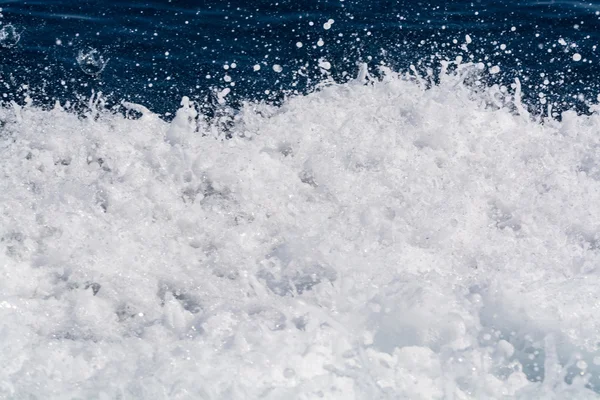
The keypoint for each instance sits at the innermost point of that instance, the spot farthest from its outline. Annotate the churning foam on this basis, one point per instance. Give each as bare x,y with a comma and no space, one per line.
366,241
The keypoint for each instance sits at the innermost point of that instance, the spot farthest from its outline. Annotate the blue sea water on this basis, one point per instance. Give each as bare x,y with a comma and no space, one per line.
158,51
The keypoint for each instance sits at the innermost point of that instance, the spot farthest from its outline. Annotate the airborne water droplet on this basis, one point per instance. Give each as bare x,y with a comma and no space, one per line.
91,61
9,37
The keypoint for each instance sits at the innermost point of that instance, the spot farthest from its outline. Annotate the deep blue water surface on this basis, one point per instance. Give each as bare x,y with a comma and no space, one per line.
159,51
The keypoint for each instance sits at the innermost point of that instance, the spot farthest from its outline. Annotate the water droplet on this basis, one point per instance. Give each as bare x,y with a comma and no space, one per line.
324,64
9,37
91,61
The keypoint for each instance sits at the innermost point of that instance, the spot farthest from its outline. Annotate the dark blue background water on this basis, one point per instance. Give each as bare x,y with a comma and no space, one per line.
162,50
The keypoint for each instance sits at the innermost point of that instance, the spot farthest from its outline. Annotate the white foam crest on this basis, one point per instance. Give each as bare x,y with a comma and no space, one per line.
371,240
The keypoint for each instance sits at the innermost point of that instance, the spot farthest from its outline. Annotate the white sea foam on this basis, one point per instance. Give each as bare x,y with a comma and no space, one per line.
372,240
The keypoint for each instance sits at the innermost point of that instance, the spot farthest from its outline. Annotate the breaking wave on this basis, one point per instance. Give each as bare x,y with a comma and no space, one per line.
402,237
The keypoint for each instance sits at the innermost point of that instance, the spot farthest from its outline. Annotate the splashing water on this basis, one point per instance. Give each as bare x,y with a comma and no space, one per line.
371,240
9,37
169,52
91,61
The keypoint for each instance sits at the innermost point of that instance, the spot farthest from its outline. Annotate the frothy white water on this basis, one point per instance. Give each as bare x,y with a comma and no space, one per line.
362,242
